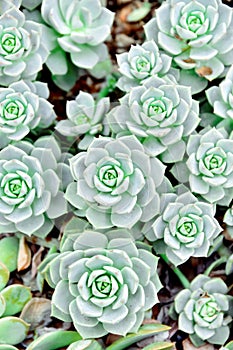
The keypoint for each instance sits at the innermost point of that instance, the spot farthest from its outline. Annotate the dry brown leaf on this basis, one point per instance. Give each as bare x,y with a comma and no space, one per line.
126,10
37,312
111,338
36,260
24,255
227,235
189,346
203,71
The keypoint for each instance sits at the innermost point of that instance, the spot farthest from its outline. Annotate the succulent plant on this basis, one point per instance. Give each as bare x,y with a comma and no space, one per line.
185,227
85,117
221,99
196,34
203,310
161,114
103,282
78,28
209,167
31,194
22,52
140,63
115,183
23,107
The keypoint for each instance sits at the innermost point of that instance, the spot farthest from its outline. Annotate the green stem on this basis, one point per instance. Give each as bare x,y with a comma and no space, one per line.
215,264
110,86
184,281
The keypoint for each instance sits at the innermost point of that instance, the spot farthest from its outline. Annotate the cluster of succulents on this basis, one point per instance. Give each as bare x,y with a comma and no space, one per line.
120,180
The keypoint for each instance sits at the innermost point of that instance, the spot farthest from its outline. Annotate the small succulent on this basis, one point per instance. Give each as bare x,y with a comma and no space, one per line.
23,107
161,114
32,195
115,183
140,63
203,310
221,99
85,117
22,52
196,34
78,28
103,282
209,167
185,227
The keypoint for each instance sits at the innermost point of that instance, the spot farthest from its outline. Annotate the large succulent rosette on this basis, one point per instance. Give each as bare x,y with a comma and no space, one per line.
103,282
204,310
185,227
78,28
32,195
24,107
22,52
197,34
161,114
209,166
115,183
140,63
85,116
221,100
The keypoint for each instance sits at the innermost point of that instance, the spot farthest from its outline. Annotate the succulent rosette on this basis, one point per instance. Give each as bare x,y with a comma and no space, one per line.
209,166
78,28
204,310
161,114
22,53
32,195
115,183
85,117
24,107
103,282
221,100
185,227
196,34
140,63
